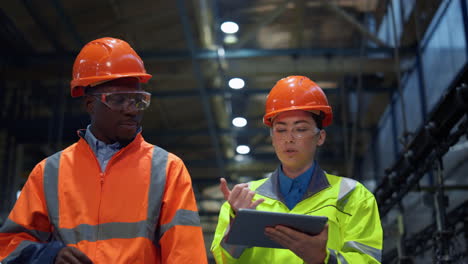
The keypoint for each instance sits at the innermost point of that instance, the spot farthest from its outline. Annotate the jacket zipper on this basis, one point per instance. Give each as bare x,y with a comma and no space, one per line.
102,175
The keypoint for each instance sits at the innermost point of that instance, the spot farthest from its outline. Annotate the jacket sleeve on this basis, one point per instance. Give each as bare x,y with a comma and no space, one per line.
25,235
362,234
223,252
180,233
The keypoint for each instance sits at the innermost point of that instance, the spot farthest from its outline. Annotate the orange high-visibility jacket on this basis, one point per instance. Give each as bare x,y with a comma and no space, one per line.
141,209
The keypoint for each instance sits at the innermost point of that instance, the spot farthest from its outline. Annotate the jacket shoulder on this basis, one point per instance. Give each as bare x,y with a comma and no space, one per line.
348,186
253,185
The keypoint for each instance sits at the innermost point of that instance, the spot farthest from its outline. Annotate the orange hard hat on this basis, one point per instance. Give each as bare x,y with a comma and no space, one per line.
296,93
103,60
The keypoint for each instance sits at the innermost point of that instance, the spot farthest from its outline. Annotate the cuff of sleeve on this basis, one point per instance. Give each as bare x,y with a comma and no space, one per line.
232,214
331,257
48,253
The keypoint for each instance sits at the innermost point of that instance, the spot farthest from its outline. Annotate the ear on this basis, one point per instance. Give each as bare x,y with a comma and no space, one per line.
322,137
89,104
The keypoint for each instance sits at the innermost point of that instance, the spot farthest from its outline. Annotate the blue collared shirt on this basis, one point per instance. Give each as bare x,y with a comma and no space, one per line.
103,151
294,189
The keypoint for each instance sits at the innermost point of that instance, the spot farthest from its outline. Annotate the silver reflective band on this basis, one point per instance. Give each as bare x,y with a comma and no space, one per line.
11,227
334,255
182,217
105,231
332,258
51,186
373,252
16,253
342,259
156,189
146,228
234,250
346,186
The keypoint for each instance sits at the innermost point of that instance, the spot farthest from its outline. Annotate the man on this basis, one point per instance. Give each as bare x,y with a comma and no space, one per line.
111,197
297,110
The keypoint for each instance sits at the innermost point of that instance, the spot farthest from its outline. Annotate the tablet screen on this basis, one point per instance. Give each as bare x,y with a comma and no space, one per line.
249,225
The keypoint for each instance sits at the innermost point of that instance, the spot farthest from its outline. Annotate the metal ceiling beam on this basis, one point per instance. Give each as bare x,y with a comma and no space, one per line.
265,20
201,85
18,69
174,55
67,22
50,36
205,28
353,22
21,129
13,37
251,91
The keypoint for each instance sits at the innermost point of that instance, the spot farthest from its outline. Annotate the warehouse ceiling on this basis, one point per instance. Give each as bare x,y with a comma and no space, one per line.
191,60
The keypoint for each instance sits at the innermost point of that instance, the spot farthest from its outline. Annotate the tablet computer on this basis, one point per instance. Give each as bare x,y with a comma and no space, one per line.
248,226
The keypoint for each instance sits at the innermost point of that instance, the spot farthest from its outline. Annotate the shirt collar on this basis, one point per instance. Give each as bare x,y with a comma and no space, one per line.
285,183
96,144
271,189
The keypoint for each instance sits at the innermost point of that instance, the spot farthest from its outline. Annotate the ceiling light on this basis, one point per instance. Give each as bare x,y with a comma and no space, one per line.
230,39
239,122
229,27
243,149
236,83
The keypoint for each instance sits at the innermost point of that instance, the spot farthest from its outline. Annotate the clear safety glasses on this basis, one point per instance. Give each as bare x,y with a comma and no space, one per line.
296,132
119,101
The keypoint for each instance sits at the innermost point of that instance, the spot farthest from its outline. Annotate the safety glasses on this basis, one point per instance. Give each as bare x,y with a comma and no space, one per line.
296,132
119,101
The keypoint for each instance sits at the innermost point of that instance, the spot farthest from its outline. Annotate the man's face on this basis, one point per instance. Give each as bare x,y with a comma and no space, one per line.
295,137
110,125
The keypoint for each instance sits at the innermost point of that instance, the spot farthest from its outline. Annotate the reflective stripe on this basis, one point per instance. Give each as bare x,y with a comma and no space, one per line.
87,232
51,171
234,250
332,258
11,227
106,231
17,252
346,186
371,251
156,191
182,217
342,259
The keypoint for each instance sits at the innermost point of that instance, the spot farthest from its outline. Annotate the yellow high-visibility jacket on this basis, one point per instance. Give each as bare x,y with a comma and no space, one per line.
354,233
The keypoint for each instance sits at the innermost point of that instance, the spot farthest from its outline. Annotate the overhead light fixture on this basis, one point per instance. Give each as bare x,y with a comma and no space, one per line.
239,122
230,39
243,149
236,83
229,27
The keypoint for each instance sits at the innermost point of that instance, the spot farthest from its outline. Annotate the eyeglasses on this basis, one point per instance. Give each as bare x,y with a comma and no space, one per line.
119,101
296,132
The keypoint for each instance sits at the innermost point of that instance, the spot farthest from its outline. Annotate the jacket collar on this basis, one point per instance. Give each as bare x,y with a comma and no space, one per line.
270,188
137,140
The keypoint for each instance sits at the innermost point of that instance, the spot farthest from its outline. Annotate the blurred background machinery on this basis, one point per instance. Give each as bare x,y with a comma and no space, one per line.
395,72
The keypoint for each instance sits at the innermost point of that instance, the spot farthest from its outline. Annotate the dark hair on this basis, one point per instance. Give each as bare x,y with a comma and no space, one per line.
318,119
86,90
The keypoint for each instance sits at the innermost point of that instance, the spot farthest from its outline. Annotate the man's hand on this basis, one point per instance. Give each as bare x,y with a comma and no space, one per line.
240,196
71,255
312,249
